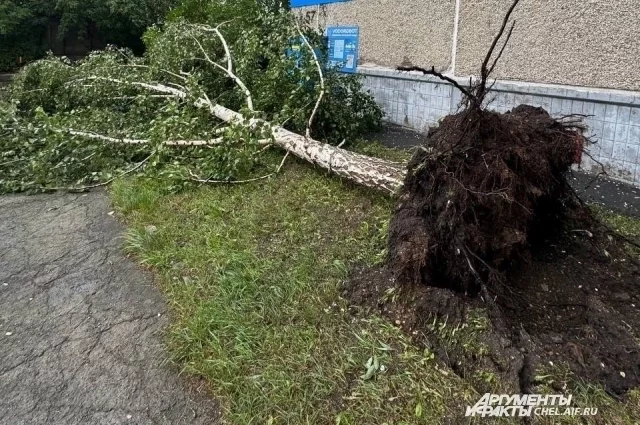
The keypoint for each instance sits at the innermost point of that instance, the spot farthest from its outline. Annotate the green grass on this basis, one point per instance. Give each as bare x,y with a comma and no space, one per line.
377,149
252,274
626,226
629,227
585,395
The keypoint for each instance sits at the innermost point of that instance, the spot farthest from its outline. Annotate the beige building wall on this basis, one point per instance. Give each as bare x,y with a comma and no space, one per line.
395,32
592,43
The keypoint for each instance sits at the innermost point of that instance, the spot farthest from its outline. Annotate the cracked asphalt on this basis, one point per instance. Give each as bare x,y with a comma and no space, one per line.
80,324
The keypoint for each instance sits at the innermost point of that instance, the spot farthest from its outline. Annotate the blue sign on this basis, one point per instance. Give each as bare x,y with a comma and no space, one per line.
302,3
343,48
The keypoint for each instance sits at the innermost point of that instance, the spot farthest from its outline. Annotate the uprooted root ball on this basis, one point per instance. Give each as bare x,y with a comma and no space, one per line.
483,190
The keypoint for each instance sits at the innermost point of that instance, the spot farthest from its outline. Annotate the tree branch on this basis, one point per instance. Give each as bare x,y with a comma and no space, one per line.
498,37
106,183
441,76
180,77
196,178
322,89
91,135
179,143
484,71
161,88
229,69
506,41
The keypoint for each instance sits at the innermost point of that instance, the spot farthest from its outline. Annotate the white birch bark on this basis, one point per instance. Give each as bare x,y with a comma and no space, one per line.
365,170
371,172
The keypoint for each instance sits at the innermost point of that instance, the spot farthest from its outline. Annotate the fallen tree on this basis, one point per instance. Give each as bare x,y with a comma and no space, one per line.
119,108
482,170
473,204
367,171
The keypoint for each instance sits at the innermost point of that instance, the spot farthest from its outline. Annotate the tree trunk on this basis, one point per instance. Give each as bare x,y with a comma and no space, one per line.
375,173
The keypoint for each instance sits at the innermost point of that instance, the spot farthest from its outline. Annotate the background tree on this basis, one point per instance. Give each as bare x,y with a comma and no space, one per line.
24,24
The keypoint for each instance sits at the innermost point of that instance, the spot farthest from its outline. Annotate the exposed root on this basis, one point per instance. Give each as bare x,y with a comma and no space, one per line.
491,187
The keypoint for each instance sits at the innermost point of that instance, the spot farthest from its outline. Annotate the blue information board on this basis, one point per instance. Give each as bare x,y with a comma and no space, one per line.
302,3
343,48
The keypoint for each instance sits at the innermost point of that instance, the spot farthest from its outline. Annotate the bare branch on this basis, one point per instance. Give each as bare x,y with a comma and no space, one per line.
199,179
210,142
441,76
476,92
506,41
227,52
322,89
235,78
161,88
179,86
484,70
90,135
208,28
128,141
152,96
497,38
229,69
282,163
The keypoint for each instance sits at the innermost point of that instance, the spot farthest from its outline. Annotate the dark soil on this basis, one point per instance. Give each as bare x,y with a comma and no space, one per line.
571,305
580,299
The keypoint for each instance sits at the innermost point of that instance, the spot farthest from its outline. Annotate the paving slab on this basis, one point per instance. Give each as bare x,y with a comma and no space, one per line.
81,324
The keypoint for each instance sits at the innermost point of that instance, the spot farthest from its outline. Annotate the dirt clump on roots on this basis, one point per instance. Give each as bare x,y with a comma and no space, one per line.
488,223
485,188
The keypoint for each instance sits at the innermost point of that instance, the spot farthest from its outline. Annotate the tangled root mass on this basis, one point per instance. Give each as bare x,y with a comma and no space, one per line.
480,194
